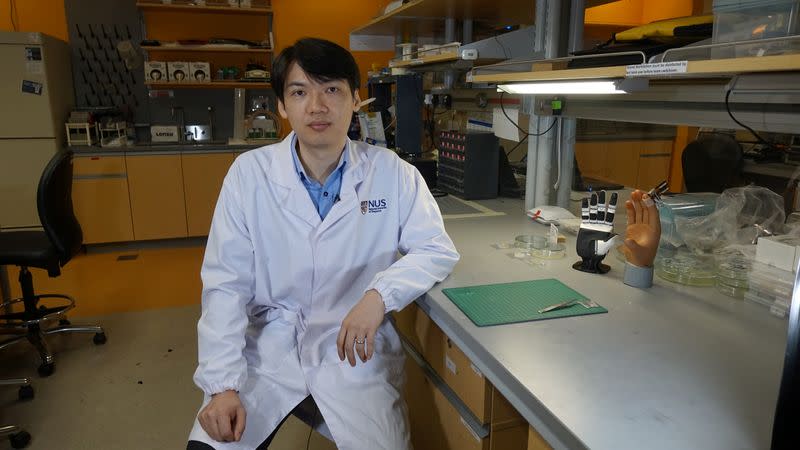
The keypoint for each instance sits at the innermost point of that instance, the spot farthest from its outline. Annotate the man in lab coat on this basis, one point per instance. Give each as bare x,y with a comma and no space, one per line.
302,265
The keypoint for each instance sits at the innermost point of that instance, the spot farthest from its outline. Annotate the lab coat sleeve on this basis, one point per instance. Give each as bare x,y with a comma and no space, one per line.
428,252
228,286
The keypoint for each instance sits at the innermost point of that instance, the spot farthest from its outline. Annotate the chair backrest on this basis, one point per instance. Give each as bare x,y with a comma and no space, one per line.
712,163
54,202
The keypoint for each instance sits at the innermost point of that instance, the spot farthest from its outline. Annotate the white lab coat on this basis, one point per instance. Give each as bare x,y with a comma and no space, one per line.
278,281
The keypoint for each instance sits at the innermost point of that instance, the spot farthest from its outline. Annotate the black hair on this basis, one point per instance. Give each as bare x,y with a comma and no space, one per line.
321,60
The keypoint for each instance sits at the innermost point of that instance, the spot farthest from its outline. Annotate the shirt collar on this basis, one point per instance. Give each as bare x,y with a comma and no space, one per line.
298,166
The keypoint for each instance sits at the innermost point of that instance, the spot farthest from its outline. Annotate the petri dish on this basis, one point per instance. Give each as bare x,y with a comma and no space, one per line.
686,269
736,292
557,252
531,241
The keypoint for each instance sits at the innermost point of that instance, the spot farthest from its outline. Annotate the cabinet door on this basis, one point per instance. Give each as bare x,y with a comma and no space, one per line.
100,198
202,180
655,158
591,159
157,201
102,207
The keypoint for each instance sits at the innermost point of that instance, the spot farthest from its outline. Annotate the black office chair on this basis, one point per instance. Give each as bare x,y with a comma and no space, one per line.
19,438
712,163
49,249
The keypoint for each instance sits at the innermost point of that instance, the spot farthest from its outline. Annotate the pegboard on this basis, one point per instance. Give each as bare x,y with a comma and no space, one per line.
99,72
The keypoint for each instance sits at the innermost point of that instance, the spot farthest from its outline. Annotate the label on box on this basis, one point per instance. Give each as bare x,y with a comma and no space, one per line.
34,67
451,366
155,71
179,72
32,87
648,70
200,72
33,53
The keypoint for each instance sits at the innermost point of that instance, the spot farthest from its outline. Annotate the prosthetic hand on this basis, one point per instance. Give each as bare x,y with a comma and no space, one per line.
596,235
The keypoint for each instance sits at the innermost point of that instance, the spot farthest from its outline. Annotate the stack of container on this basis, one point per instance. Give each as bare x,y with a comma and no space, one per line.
771,287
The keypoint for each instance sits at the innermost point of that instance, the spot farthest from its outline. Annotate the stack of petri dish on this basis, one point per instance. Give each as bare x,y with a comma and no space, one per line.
687,268
537,246
770,287
732,275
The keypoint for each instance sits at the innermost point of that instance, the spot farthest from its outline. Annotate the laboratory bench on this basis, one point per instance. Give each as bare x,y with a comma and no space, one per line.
667,367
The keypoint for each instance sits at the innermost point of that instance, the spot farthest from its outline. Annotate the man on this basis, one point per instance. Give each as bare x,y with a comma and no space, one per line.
302,265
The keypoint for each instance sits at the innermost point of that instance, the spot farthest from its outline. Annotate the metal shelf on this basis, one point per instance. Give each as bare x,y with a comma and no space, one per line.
695,69
155,7
424,17
204,49
212,85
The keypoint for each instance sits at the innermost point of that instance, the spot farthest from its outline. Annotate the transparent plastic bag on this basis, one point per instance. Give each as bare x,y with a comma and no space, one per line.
740,216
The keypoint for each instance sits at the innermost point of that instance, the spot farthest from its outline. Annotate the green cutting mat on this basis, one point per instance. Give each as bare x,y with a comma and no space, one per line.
497,304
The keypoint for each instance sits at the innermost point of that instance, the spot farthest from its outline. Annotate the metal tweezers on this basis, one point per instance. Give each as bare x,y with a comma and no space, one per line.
558,306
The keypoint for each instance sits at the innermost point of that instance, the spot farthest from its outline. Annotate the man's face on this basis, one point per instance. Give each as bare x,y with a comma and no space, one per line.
319,113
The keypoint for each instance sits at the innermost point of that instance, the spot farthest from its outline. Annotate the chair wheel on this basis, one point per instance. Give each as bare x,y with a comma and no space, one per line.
20,440
25,392
99,338
64,322
45,370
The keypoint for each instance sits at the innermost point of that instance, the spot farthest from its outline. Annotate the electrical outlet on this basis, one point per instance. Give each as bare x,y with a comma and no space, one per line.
552,106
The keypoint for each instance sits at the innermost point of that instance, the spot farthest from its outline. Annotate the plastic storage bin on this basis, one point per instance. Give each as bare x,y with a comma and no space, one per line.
681,205
742,20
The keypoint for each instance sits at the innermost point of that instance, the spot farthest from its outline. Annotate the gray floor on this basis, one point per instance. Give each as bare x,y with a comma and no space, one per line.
135,392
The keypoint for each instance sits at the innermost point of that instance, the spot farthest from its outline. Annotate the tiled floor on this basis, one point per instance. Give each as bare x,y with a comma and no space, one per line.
136,391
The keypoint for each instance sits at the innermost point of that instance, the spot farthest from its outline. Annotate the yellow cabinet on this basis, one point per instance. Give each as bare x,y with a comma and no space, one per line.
634,163
100,199
202,180
157,197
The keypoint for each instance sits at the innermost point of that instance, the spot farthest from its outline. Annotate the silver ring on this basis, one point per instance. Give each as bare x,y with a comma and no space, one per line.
361,342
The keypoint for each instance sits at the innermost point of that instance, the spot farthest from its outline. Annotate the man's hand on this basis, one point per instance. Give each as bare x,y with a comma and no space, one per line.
359,328
644,230
224,417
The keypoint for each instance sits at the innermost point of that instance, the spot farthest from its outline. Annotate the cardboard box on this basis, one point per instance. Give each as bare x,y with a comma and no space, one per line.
179,72
200,72
155,72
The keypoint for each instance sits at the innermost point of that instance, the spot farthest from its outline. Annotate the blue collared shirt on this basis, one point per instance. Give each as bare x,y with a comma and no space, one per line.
323,195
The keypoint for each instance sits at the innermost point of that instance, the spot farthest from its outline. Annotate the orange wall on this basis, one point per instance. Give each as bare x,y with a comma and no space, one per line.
330,20
46,16
623,12
637,12
652,11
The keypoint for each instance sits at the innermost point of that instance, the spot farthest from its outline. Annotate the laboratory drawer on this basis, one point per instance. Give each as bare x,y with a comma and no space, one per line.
477,393
453,366
416,328
92,166
436,423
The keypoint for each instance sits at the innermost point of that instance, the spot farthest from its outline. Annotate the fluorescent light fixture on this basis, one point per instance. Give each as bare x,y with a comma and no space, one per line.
576,87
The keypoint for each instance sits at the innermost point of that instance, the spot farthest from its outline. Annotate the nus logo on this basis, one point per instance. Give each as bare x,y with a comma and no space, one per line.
373,206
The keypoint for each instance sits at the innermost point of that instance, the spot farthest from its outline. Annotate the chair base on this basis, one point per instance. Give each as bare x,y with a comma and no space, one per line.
30,325
19,438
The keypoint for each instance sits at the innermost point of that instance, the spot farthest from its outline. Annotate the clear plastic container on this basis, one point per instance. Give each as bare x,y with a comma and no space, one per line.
736,292
558,252
686,269
531,241
742,20
681,205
